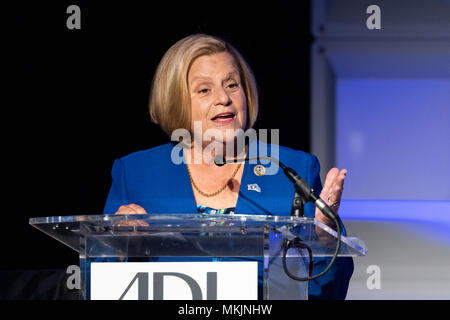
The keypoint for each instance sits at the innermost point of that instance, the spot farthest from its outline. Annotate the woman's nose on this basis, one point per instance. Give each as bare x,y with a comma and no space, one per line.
222,97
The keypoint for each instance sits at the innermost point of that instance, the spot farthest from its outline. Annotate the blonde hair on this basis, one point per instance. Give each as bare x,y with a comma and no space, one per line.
170,104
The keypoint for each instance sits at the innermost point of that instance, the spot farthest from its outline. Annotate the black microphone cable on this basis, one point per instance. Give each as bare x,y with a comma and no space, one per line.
302,187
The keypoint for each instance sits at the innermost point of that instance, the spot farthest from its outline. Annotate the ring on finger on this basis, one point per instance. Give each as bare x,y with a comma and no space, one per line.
335,204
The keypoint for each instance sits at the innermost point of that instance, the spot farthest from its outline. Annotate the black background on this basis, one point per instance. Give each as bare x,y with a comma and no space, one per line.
77,99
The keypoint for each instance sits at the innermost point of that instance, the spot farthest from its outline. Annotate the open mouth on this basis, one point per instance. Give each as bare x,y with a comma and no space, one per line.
224,117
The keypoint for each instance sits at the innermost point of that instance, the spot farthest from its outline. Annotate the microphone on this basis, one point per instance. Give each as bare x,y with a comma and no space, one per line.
303,188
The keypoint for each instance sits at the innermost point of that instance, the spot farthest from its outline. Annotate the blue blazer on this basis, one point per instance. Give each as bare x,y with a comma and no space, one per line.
150,179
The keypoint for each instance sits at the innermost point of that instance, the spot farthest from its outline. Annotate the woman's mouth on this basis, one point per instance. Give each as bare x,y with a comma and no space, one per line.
223,118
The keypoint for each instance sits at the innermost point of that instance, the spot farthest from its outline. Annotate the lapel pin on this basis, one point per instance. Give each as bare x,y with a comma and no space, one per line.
259,170
253,187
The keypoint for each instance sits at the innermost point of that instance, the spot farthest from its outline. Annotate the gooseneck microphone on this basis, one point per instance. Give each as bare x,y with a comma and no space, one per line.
300,184
308,194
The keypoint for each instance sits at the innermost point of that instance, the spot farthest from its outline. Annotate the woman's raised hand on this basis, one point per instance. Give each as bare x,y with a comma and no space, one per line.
332,193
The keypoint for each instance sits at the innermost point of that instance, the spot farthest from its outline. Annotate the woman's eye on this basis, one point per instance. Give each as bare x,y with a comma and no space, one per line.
203,91
233,85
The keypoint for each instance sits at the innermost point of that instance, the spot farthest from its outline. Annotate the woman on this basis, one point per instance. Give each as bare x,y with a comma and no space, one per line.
203,85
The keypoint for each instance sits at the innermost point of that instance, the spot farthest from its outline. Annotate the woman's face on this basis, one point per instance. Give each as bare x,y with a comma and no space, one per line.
217,98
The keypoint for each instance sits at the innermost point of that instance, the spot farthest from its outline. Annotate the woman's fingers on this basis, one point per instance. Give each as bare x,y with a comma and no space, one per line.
131,209
329,180
333,187
338,185
137,208
332,193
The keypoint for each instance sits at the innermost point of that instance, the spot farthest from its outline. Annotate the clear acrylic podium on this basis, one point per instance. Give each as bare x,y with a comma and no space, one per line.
186,237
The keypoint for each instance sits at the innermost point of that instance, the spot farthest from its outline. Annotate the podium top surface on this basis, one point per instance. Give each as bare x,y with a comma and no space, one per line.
178,219
141,227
